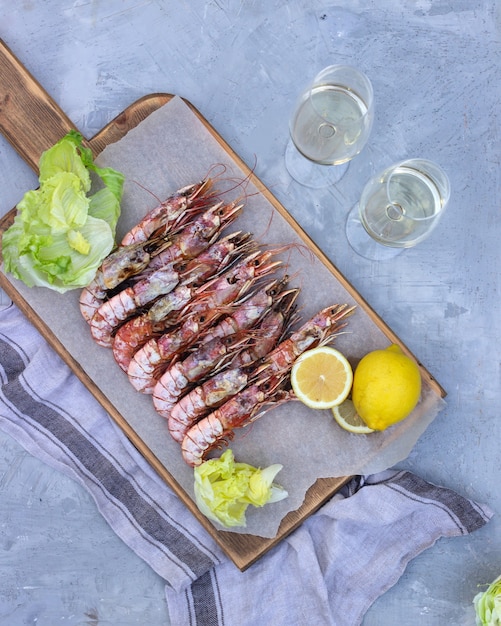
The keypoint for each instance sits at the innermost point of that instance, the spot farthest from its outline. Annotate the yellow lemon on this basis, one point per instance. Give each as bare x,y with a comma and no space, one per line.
347,417
321,377
386,387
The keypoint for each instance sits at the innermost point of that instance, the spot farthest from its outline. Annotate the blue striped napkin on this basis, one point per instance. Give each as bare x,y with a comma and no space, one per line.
332,567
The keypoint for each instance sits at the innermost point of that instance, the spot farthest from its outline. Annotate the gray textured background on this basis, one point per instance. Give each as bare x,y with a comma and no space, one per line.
434,66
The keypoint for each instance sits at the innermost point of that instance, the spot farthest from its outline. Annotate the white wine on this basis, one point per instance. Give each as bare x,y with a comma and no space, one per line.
399,207
331,125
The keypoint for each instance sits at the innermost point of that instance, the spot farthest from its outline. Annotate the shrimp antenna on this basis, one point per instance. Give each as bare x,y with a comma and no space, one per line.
136,182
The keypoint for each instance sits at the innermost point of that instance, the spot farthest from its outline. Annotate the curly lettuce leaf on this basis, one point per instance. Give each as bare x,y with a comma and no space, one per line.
488,605
224,489
103,205
61,232
62,203
66,156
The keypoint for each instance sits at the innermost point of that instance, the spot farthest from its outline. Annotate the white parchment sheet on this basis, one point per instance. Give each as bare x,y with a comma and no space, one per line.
173,148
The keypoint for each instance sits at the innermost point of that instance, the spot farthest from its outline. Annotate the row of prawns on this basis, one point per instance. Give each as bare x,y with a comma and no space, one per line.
199,319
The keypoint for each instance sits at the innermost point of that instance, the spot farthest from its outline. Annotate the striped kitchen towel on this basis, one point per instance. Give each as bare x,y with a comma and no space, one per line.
332,567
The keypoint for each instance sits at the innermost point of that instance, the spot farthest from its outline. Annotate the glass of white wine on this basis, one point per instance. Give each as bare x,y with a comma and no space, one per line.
398,208
330,125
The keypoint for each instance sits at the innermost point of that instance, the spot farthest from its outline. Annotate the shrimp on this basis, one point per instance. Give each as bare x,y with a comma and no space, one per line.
219,255
206,358
210,304
171,212
127,261
262,339
117,267
216,428
249,312
245,316
204,398
151,360
321,329
198,235
92,296
138,330
226,383
126,302
247,405
272,328
233,284
209,264
156,253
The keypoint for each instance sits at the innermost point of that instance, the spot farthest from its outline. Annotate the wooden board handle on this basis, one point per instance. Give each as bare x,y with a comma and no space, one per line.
29,118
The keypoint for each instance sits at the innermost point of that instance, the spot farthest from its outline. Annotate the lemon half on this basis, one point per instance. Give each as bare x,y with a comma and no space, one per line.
321,378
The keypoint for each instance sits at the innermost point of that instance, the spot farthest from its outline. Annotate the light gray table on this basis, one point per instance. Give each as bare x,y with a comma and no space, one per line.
434,65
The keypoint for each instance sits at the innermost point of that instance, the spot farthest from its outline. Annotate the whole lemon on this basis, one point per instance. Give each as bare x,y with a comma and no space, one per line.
386,387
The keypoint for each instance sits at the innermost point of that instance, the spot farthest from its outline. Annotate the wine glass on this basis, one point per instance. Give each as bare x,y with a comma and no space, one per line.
330,125
398,208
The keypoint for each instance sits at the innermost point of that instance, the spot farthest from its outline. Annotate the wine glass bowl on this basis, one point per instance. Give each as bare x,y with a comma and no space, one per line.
330,125
398,208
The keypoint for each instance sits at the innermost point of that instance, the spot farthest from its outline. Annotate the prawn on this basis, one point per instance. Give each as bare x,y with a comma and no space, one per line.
222,385
204,398
219,255
117,267
138,330
151,359
234,283
208,357
216,428
272,329
249,312
197,236
126,302
247,405
321,329
130,260
171,212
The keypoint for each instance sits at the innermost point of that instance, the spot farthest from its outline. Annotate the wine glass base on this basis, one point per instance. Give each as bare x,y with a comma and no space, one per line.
311,174
363,244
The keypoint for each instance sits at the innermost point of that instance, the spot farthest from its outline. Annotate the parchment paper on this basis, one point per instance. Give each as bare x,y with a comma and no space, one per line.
169,150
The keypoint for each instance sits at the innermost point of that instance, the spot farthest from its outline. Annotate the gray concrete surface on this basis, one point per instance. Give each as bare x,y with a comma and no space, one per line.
435,66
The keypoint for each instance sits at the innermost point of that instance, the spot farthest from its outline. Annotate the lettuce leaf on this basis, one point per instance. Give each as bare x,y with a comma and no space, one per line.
67,155
62,232
488,605
224,489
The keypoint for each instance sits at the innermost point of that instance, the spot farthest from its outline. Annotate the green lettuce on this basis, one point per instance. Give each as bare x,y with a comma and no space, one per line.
62,232
488,605
224,489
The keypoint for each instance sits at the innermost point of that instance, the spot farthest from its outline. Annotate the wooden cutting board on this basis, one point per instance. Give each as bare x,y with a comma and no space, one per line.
32,122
